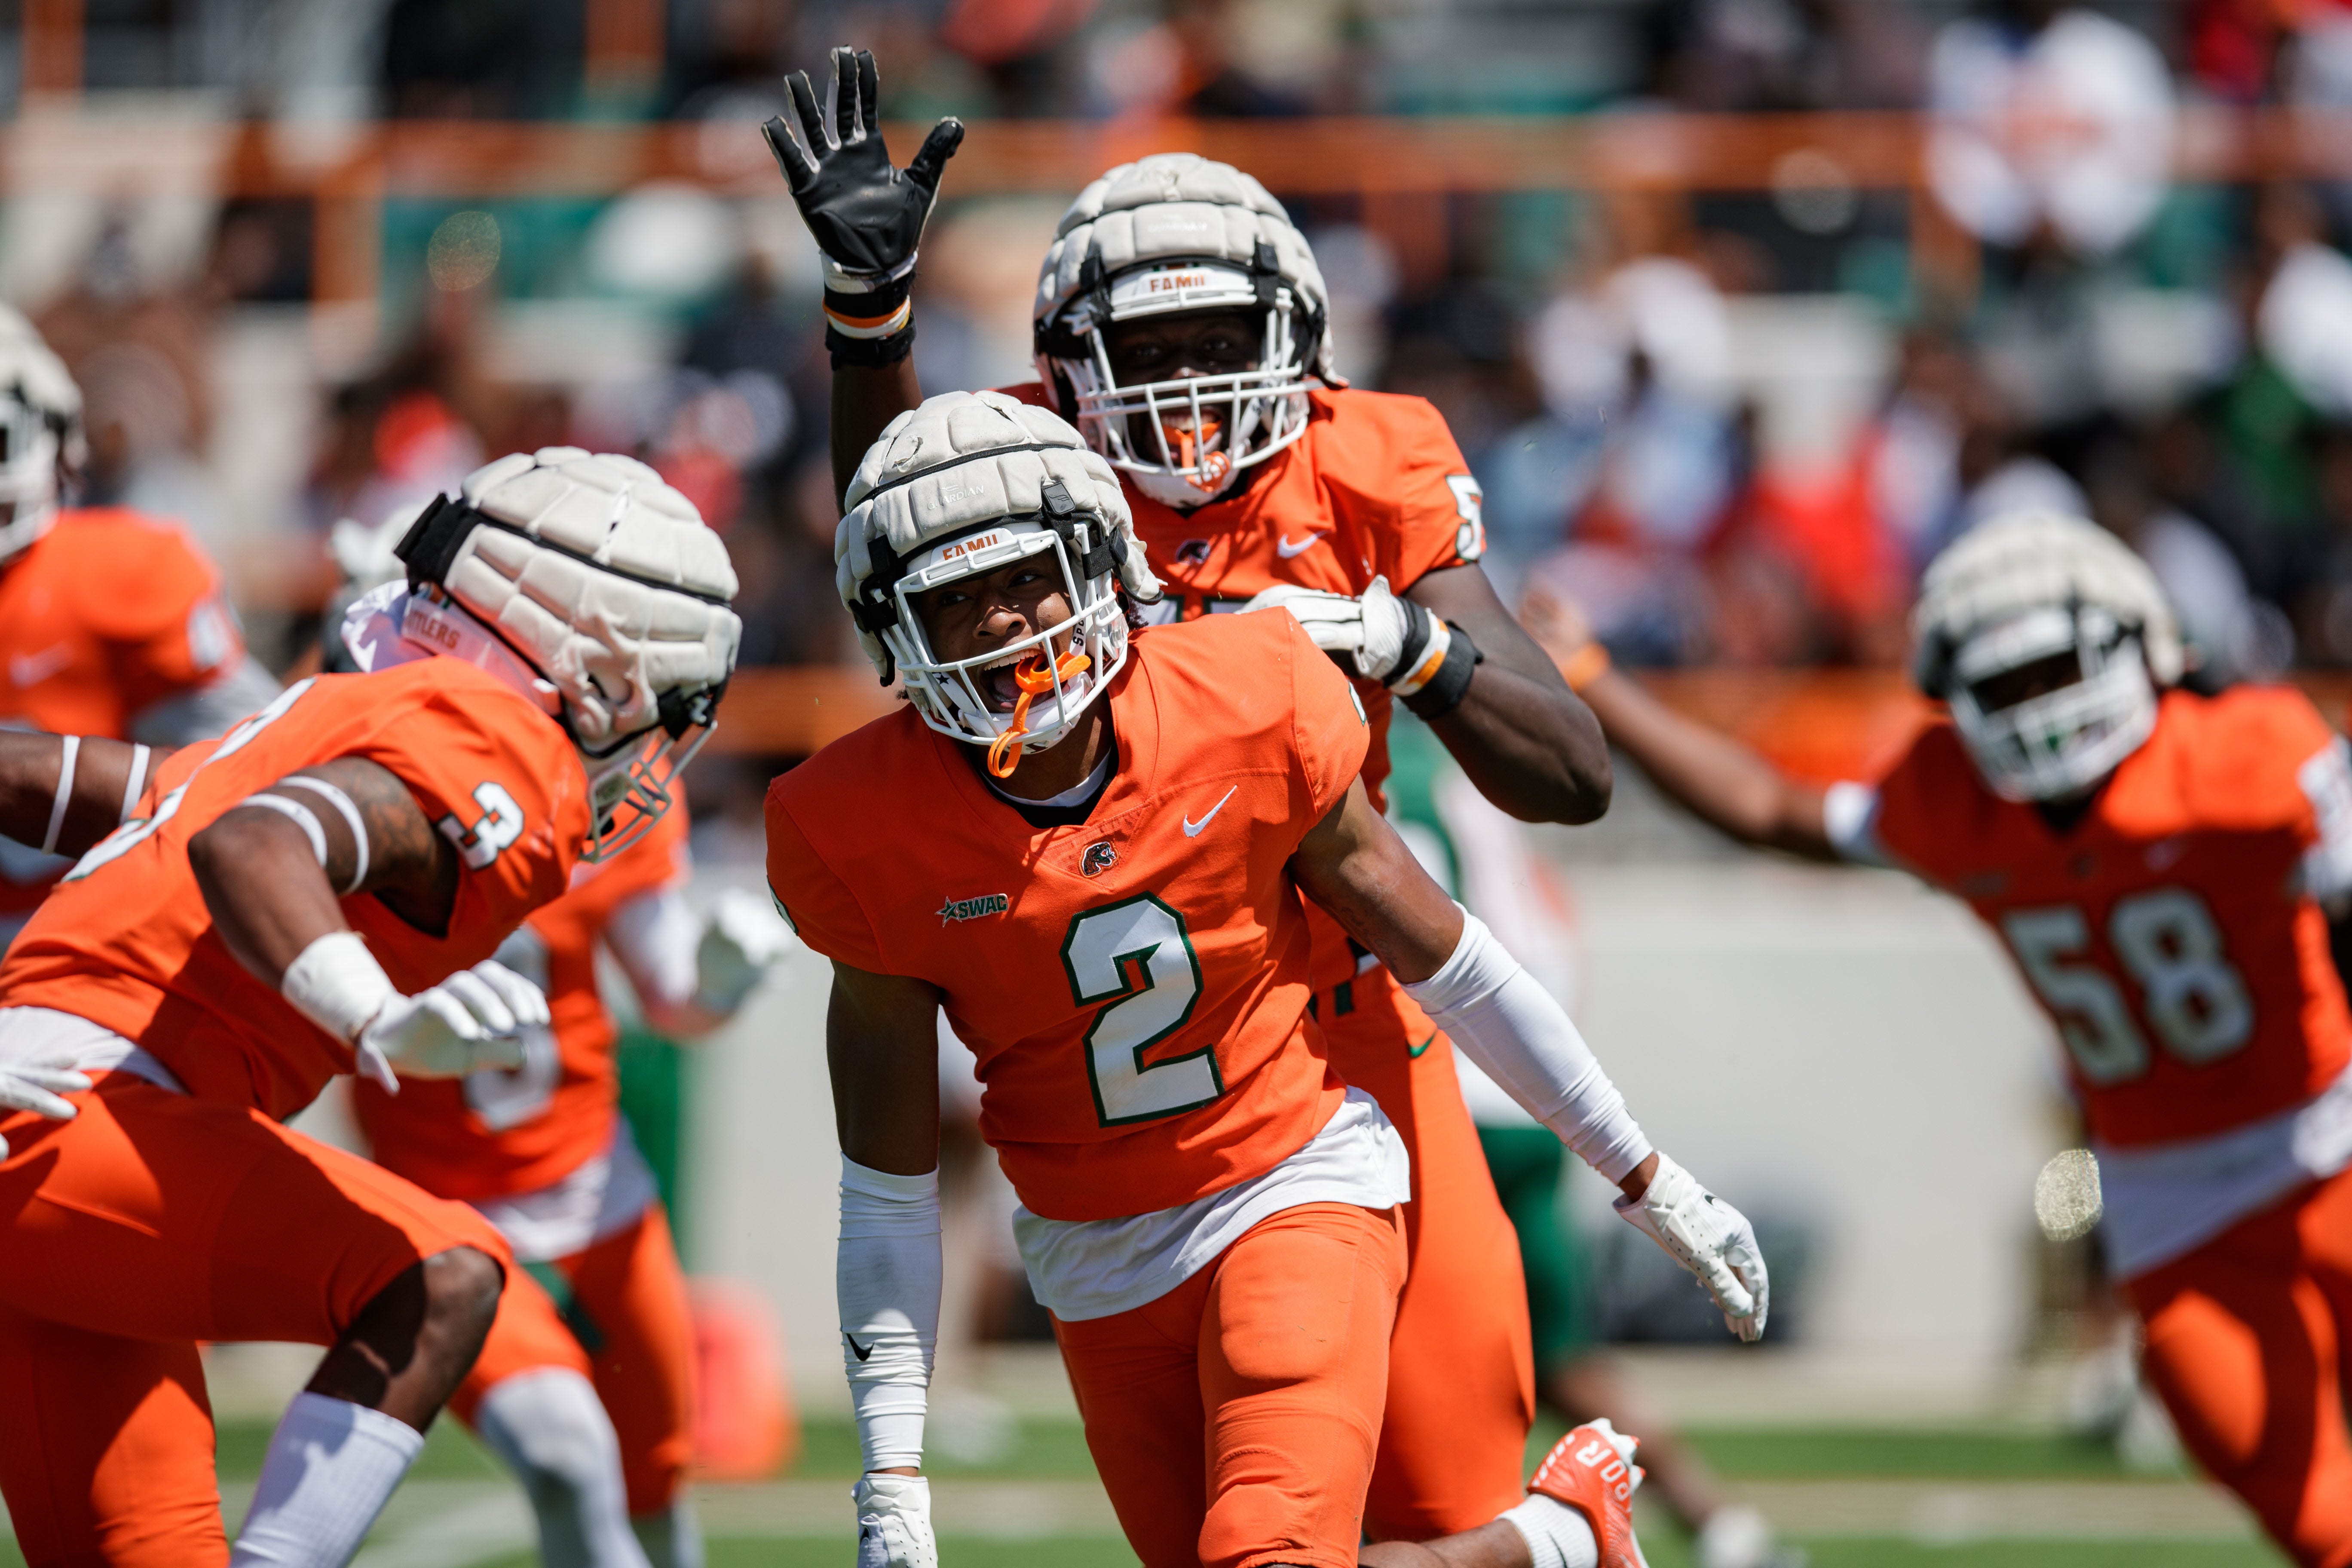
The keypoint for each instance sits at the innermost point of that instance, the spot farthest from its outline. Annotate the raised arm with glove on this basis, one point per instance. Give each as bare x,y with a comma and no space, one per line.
866,216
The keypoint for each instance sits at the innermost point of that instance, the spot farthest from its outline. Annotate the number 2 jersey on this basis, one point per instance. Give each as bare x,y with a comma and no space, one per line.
1134,986
127,941
2173,934
496,1133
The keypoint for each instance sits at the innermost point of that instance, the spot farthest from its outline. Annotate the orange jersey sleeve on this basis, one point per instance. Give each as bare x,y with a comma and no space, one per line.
2171,933
1134,987
500,1133
126,940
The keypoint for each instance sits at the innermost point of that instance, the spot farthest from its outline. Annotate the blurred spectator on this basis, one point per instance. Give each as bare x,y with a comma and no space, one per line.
2049,118
2234,635
1730,55
486,59
2323,611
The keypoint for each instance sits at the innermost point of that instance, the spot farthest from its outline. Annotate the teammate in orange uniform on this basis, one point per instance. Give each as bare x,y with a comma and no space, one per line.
542,1151
111,622
318,892
1090,850
2161,866
1182,324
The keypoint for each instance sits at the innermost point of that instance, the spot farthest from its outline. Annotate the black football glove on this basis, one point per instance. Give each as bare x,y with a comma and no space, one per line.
866,216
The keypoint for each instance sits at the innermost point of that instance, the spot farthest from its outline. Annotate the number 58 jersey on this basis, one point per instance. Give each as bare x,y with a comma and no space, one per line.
1134,986
2175,934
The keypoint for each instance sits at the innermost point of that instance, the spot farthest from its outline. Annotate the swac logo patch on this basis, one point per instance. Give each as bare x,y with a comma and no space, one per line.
973,909
1192,552
1100,857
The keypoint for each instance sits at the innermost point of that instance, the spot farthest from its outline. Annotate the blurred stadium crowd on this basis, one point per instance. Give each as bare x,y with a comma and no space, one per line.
1737,422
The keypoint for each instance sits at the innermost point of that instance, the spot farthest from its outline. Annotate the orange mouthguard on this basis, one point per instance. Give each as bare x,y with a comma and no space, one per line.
1212,466
1034,681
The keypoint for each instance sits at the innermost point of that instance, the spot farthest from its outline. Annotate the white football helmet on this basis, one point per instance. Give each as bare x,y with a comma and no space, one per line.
40,433
960,487
1179,232
607,584
2033,586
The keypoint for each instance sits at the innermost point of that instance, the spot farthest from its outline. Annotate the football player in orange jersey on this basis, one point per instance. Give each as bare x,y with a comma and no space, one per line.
542,1151
1087,842
1182,324
111,622
2162,867
318,892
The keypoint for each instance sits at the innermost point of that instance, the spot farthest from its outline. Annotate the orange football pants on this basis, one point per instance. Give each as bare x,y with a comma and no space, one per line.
1234,1420
2247,1341
151,1222
1462,1380
631,1321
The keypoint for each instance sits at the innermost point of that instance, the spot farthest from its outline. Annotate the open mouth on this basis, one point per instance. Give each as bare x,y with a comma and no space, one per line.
998,684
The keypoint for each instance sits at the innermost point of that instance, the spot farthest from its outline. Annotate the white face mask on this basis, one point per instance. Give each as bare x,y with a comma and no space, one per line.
2060,743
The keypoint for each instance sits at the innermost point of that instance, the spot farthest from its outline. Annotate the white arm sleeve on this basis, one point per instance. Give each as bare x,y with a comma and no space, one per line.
889,1287
1501,1019
653,936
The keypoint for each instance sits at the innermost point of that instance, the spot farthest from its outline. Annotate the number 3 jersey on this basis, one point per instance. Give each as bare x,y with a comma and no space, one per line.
498,1132
1134,986
2175,934
127,941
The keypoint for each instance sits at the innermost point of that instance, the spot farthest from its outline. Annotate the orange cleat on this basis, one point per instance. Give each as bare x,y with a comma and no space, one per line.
1592,1471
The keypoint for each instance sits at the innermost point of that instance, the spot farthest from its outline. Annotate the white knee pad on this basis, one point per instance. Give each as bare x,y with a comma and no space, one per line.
552,1431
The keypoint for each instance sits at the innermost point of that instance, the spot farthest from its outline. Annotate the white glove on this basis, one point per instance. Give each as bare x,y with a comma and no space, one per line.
472,1020
1377,630
36,1085
742,939
894,1522
1710,1238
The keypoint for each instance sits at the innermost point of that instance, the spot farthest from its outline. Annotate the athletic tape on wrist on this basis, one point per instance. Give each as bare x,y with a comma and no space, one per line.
868,353
1444,690
136,783
64,795
337,984
1426,660
351,819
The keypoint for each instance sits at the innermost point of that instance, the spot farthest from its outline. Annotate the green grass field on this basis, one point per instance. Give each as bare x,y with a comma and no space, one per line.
1052,1452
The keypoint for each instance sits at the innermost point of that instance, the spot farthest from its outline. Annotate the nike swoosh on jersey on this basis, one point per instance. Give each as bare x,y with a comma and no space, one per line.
32,668
1193,828
1284,547
862,1352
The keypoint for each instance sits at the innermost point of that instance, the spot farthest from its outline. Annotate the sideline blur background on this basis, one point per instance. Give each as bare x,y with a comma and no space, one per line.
1739,309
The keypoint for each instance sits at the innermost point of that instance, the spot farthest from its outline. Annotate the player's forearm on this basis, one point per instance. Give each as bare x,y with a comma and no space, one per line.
1525,740
886,1284
865,399
1496,1013
1710,775
45,805
1530,747
267,895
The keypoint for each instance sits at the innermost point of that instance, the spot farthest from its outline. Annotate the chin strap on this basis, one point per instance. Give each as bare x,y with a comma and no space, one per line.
1034,681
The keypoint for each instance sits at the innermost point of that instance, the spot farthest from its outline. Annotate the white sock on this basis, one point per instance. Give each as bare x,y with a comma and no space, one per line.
672,1538
331,1466
1558,1536
552,1432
